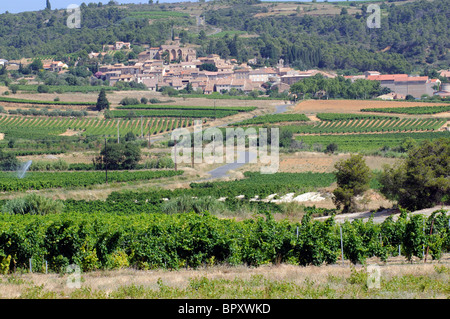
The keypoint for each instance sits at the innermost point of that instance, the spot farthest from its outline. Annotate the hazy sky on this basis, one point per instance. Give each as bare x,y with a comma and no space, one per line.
33,5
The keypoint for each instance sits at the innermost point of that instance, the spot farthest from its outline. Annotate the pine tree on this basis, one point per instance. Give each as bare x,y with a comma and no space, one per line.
102,101
48,6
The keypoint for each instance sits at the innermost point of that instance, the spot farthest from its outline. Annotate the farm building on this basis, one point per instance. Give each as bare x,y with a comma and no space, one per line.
406,85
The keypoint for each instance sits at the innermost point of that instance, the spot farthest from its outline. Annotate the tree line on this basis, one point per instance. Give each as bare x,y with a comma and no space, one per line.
338,87
412,34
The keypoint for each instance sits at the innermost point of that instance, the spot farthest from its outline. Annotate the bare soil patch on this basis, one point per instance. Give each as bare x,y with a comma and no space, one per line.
313,118
323,163
70,133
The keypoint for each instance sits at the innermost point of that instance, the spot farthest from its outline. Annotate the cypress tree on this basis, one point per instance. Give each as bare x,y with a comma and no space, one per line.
102,101
48,5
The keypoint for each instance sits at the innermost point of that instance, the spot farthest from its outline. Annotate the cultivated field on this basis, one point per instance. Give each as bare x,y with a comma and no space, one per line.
355,106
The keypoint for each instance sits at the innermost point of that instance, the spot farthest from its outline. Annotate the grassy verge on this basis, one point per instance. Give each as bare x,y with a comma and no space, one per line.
266,282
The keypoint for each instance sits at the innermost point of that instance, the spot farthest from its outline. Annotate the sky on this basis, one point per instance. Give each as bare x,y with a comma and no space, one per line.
34,5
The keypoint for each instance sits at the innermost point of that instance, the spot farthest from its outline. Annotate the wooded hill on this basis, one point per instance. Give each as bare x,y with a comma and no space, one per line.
413,36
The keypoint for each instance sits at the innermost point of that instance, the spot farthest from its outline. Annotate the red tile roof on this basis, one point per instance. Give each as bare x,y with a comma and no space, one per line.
387,77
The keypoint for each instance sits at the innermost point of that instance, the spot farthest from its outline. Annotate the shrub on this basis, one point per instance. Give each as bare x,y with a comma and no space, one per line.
42,89
154,101
353,177
8,162
129,101
32,204
108,114
186,204
331,148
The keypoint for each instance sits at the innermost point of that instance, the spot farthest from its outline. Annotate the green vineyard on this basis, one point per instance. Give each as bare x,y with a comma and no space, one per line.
184,108
145,110
350,116
172,113
273,118
365,142
38,127
370,125
9,181
152,241
416,110
24,101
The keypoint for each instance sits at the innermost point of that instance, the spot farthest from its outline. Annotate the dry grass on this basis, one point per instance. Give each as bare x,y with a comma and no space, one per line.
399,279
321,163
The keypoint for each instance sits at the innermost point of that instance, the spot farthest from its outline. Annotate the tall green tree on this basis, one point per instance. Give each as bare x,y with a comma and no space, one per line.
8,162
48,5
102,101
36,65
423,179
118,156
353,177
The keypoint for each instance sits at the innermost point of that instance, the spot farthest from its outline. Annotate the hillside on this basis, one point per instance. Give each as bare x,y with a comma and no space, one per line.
414,35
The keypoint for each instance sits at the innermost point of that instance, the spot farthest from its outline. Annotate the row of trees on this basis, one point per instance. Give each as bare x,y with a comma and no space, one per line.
422,180
338,87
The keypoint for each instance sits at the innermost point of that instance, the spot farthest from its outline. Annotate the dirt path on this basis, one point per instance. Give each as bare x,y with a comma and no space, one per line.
313,118
379,217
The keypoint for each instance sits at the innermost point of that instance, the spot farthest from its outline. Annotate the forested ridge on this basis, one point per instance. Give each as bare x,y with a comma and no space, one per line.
412,37
43,33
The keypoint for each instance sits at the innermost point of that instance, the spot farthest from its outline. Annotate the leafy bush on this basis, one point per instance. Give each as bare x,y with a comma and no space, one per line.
8,161
154,101
42,89
422,180
32,204
129,101
186,203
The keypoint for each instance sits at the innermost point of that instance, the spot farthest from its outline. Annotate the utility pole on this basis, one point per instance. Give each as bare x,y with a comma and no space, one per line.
175,155
118,133
106,164
149,142
428,247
